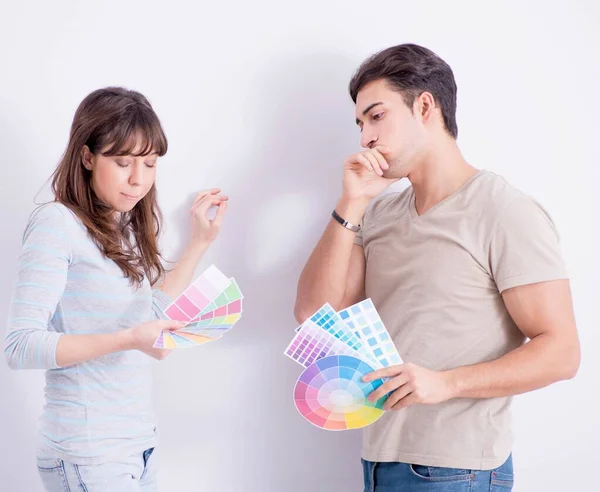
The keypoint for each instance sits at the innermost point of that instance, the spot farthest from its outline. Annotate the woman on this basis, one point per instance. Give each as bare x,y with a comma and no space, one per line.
87,304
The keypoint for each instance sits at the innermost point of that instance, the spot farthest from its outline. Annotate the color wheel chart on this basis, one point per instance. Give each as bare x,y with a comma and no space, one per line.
331,395
210,306
336,350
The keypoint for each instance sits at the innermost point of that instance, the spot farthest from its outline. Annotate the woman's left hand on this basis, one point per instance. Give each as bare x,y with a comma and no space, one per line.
205,230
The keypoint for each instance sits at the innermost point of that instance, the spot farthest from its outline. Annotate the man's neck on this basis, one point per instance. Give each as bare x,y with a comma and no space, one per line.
442,172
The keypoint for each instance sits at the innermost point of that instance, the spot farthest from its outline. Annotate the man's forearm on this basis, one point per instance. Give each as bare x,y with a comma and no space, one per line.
540,362
325,274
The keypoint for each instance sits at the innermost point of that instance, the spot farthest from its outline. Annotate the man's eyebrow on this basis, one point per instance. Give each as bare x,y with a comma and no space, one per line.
367,109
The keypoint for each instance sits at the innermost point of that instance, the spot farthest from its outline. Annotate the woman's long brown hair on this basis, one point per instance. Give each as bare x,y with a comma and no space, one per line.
114,121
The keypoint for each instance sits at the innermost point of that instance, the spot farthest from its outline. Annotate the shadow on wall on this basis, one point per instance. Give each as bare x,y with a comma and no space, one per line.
22,390
295,181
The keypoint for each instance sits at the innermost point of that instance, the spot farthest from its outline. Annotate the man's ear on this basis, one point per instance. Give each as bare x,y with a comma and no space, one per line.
424,105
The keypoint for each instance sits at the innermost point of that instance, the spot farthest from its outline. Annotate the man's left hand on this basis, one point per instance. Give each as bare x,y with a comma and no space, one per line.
411,384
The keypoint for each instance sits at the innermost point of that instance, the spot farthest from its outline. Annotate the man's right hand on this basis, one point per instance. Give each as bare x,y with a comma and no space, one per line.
363,175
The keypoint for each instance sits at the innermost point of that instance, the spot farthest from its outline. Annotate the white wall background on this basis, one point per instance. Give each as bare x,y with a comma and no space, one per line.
253,99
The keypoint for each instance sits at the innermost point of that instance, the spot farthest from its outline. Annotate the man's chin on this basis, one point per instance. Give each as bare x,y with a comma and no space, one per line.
393,173
397,171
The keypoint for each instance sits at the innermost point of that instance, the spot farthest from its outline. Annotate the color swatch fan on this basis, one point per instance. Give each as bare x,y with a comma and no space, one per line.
337,349
363,320
332,322
220,315
312,343
210,306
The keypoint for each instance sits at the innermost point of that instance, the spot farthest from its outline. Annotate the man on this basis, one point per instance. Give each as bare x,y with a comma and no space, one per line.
465,271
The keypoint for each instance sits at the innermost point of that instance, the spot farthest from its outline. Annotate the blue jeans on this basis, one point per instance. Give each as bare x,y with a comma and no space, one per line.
404,477
131,474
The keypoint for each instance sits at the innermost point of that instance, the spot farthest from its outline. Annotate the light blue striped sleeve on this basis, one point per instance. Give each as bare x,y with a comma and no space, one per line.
160,302
41,280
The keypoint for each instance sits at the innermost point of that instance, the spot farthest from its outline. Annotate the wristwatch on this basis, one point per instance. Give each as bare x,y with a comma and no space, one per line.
344,222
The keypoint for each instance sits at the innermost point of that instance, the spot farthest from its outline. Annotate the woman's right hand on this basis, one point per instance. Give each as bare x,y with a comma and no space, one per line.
205,230
143,336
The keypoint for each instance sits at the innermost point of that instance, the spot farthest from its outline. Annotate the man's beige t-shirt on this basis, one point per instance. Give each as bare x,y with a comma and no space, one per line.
436,280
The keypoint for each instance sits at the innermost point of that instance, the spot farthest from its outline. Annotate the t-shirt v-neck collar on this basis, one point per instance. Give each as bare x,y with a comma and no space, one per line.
412,203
